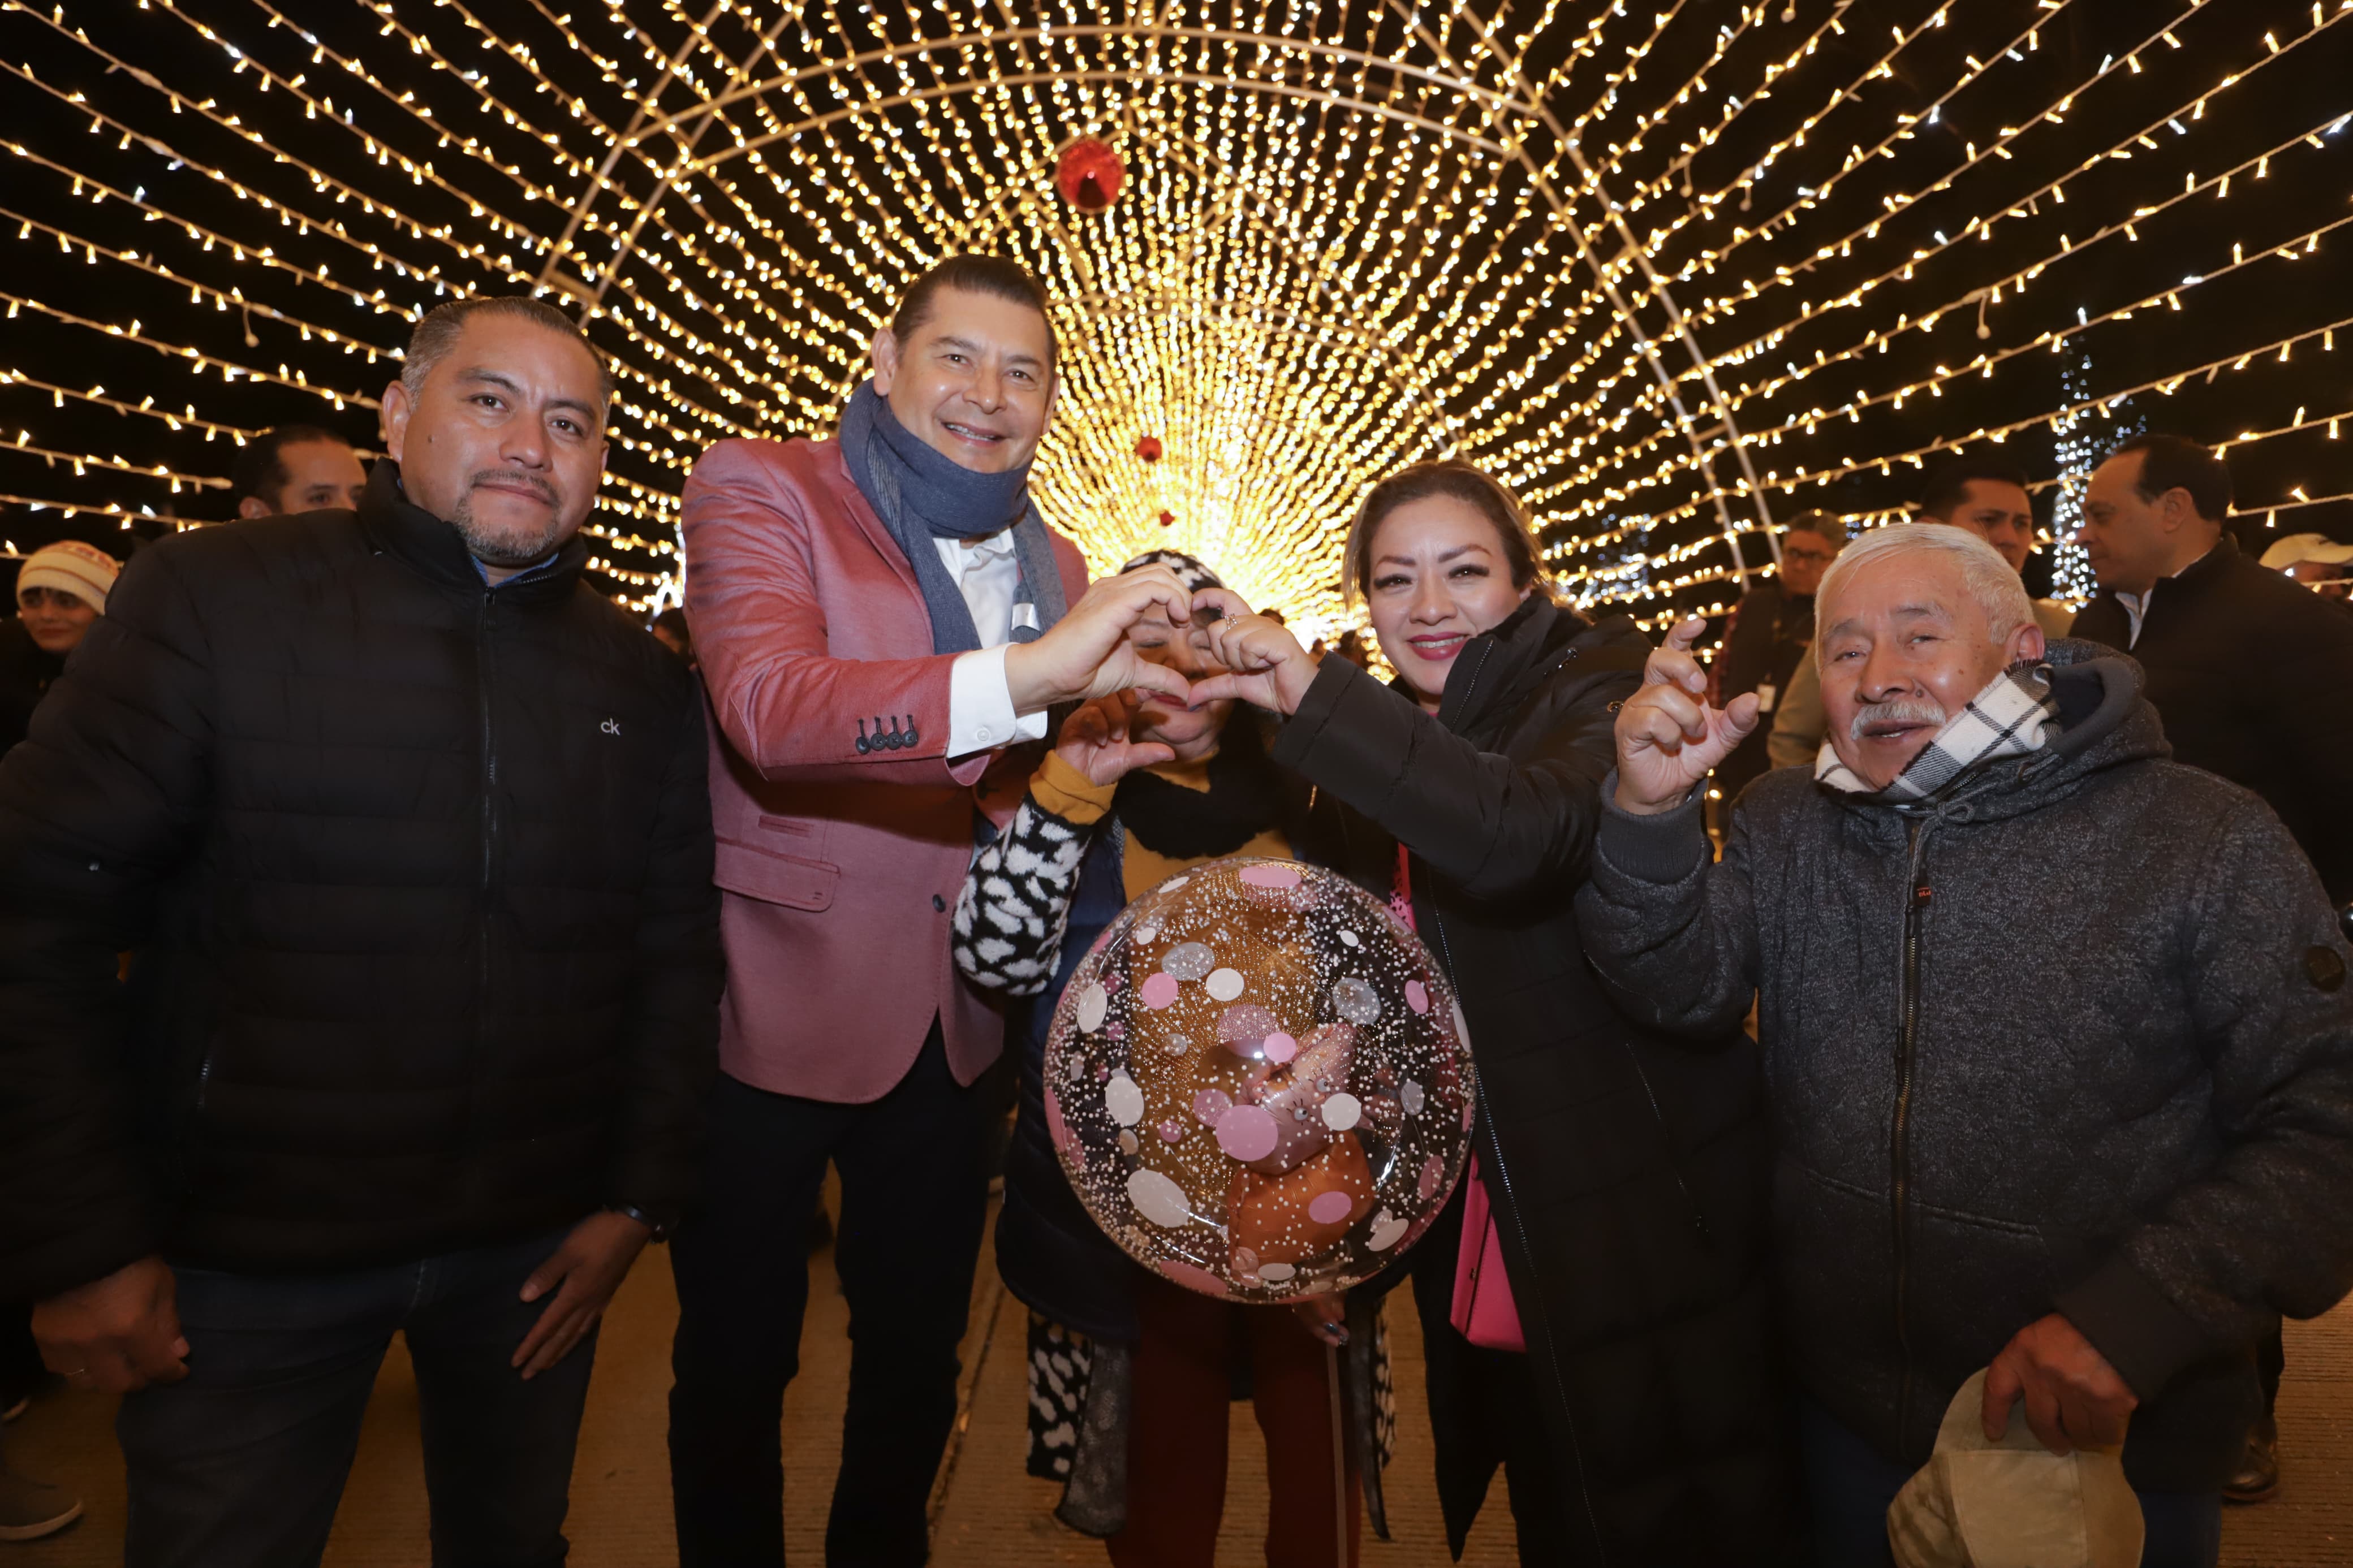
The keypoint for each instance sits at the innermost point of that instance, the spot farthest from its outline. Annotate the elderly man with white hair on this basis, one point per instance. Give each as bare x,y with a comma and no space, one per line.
2058,1045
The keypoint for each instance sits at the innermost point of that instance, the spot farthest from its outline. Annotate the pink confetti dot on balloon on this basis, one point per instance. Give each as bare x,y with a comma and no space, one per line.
1248,1132
1281,1047
1112,981
1416,996
1210,1104
1426,1183
1271,876
1193,1278
1171,1130
1158,990
1330,1208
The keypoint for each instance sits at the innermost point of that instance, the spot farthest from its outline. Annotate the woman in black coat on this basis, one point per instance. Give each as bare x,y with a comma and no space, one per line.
1623,1175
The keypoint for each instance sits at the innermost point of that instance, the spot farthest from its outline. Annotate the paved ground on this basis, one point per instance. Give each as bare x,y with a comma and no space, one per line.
988,1511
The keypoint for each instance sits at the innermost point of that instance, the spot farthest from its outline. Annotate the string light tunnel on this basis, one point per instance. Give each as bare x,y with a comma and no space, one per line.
1677,272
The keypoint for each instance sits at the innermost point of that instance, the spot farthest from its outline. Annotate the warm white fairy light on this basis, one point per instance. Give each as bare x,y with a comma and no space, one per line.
1350,239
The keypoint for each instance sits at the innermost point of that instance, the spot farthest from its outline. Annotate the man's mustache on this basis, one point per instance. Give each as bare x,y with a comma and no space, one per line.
532,482
1903,710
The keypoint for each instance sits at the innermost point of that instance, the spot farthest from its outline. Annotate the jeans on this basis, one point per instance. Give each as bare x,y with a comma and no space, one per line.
913,1201
1850,1486
241,1465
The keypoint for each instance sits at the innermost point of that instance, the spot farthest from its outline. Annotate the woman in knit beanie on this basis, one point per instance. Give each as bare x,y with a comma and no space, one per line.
60,590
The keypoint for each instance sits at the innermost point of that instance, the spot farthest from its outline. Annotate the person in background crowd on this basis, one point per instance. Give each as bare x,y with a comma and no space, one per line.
1595,1303
1987,497
297,468
1133,795
1767,635
2316,560
417,1028
2237,658
1351,646
61,589
671,630
881,625
2103,1165
2239,661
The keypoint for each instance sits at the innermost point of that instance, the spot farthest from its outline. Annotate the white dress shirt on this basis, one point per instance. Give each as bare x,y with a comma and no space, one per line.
2137,604
980,702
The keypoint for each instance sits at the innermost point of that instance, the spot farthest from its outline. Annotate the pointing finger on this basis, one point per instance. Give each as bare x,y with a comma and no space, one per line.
1684,633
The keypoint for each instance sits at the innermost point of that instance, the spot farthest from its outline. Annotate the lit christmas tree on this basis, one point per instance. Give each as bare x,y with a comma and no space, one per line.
2080,436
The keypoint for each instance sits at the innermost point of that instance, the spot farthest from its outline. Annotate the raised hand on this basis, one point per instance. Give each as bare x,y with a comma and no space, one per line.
1087,654
1094,741
1265,663
1668,737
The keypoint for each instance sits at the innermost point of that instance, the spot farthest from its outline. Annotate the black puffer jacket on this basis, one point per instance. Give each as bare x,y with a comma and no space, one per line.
418,878
2125,1093
1627,1172
2253,674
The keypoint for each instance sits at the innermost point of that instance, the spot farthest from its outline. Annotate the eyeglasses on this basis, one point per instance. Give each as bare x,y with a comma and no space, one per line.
1819,557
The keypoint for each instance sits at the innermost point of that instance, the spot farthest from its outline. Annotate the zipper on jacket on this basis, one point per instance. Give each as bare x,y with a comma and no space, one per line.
482,911
1492,1150
1916,909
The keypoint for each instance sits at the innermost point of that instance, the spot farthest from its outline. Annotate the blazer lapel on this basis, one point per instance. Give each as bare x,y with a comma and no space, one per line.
853,502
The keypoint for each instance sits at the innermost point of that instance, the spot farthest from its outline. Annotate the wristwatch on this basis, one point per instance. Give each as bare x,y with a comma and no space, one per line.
660,1227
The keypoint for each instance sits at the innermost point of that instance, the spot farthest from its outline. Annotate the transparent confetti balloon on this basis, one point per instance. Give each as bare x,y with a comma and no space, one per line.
1259,1082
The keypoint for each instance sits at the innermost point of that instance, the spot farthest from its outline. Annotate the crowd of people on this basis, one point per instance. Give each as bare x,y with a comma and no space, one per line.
1920,1026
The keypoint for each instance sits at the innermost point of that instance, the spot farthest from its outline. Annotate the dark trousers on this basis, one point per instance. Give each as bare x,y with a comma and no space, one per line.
20,1359
912,1204
1178,1428
1850,1486
2270,1365
242,1464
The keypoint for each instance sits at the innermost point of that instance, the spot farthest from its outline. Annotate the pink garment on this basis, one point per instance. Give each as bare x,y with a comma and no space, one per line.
838,868
1483,1311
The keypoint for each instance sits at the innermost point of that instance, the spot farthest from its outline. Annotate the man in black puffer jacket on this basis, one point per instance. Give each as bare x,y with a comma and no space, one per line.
408,832
2057,1042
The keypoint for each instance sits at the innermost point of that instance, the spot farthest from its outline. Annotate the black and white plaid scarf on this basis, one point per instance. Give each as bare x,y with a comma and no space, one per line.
2014,715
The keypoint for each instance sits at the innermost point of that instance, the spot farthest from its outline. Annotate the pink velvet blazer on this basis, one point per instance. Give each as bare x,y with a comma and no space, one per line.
839,868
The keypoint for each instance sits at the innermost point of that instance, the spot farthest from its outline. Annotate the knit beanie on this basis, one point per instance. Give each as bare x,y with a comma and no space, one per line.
72,567
1190,569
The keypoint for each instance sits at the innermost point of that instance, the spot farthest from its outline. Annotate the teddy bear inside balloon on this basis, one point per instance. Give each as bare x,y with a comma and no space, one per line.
1259,1082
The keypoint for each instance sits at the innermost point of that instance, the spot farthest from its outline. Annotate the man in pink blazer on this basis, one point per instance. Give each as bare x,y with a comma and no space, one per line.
882,621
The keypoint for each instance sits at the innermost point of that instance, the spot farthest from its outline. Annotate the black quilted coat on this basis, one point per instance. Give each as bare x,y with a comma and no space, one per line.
417,878
1626,1172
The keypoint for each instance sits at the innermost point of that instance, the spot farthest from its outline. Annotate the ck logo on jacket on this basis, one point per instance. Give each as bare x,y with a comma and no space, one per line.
610,726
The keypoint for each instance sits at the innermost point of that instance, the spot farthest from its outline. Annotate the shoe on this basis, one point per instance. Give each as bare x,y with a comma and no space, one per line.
31,1509
2258,1475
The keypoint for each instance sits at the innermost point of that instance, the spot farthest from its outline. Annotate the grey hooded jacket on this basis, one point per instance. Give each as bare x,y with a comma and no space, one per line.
2074,1038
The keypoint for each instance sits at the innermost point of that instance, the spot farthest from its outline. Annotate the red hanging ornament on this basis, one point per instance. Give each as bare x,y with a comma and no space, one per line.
1167,517
1148,448
1089,175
